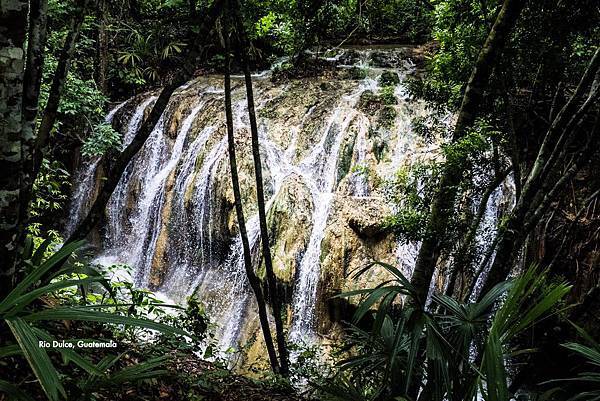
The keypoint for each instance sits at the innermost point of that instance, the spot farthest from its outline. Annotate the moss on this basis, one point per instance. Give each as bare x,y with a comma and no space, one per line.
389,78
347,150
387,115
369,102
355,73
387,96
379,148
269,111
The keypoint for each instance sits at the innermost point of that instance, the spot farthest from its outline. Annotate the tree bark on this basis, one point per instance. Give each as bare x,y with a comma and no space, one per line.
252,278
260,195
538,190
443,202
462,257
13,23
36,44
36,153
101,59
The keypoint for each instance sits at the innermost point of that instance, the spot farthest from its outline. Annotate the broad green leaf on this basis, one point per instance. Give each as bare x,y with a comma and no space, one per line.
38,358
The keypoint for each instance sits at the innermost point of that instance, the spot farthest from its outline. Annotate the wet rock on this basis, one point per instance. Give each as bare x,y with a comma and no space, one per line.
388,59
349,57
355,73
290,223
344,251
369,102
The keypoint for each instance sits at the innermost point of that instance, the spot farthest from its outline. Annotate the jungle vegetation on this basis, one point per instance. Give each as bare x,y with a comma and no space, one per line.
522,79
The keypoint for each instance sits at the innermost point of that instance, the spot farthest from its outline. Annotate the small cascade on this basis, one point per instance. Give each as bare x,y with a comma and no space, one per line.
501,199
320,170
359,180
117,202
85,182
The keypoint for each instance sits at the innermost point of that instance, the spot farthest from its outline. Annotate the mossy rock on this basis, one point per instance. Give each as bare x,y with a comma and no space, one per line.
379,148
387,96
369,102
389,78
387,115
346,153
355,73
349,57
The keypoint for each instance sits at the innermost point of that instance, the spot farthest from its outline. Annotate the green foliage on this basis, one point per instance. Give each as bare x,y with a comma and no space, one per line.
49,188
467,150
405,341
410,191
103,139
591,355
144,52
387,95
389,78
459,29
23,314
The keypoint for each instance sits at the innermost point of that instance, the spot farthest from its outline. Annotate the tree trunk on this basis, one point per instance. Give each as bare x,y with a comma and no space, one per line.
114,175
101,59
463,256
36,44
123,159
13,20
260,195
539,190
36,154
443,202
252,278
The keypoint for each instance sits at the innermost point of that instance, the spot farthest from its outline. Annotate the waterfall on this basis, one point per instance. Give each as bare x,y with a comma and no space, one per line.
171,215
116,204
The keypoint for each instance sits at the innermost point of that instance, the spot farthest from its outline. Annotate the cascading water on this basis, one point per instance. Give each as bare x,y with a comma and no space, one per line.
171,216
85,182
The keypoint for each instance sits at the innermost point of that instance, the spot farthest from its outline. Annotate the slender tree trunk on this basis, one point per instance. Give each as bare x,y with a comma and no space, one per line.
38,10
443,202
13,20
275,300
463,258
252,278
101,59
114,175
539,190
36,153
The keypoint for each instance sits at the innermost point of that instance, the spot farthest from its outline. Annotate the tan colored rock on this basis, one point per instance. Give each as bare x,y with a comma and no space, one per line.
290,223
344,251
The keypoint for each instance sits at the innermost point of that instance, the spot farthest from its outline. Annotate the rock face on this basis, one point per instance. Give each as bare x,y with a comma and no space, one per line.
354,238
327,144
290,223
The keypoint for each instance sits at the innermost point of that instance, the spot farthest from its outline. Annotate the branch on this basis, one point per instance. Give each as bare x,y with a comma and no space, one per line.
32,167
558,125
567,234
